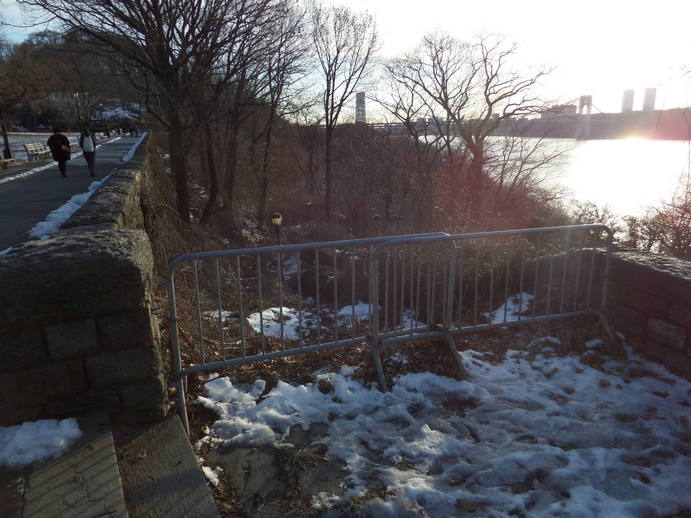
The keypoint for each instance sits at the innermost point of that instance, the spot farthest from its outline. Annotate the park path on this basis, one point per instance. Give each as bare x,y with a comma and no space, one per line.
26,199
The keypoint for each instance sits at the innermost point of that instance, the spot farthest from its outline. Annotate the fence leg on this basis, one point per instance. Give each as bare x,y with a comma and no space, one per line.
377,363
454,351
182,407
615,348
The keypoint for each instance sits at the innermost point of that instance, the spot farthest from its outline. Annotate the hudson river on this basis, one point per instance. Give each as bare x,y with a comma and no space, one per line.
628,175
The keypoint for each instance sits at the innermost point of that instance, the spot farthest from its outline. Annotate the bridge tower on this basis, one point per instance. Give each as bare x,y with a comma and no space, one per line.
585,104
360,114
585,107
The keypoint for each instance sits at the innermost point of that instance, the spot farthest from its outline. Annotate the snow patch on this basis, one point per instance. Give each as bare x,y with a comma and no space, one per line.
47,228
512,310
532,438
36,441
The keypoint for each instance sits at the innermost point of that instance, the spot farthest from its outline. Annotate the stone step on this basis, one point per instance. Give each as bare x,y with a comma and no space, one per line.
160,473
82,483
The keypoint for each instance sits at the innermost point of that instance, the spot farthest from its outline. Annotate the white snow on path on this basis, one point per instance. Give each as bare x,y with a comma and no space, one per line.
552,437
48,227
36,441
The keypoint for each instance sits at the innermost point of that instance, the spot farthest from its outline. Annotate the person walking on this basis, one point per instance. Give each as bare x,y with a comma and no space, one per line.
88,145
59,146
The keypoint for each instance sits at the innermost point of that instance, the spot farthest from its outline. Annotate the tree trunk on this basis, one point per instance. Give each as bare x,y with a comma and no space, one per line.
178,165
327,172
213,174
264,183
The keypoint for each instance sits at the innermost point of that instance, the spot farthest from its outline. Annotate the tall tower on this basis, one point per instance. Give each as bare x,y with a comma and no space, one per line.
627,101
360,114
649,99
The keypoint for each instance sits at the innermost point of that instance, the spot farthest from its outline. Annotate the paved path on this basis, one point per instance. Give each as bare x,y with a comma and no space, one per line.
25,201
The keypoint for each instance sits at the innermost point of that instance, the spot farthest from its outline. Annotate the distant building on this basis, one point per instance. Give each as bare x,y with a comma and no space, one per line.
627,101
649,99
360,113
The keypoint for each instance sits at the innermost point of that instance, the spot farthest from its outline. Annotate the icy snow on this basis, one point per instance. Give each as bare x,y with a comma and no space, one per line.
359,312
512,309
272,322
36,441
212,474
519,438
45,229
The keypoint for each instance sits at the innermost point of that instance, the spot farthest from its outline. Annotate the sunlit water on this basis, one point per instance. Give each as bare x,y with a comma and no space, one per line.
627,175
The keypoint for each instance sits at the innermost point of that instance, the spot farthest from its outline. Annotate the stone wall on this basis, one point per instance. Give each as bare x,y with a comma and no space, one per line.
76,328
650,303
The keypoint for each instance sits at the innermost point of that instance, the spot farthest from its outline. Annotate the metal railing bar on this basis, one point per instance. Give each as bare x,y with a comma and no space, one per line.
352,292
391,339
563,274
200,324
579,260
520,282
506,287
220,310
477,280
261,302
460,283
538,258
292,248
386,290
280,297
241,303
316,276
269,356
301,327
335,279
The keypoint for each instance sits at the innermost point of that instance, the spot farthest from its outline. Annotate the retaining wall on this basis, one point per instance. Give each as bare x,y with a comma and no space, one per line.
76,328
650,303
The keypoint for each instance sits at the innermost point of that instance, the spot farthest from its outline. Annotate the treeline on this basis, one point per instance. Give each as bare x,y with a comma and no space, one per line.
40,77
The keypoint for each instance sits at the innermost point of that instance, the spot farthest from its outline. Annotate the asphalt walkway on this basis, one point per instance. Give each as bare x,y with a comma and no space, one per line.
26,198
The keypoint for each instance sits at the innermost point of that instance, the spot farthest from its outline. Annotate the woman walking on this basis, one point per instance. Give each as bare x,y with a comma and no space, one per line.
88,145
59,146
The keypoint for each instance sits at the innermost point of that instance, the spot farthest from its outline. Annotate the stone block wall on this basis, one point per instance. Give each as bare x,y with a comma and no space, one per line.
650,303
76,328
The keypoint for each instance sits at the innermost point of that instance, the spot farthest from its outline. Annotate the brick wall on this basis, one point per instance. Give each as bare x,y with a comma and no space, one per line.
76,328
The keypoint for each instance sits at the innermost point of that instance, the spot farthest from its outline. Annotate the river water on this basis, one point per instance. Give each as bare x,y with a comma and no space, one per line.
628,175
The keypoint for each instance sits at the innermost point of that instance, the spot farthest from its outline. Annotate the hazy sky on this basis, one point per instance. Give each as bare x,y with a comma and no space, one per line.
599,47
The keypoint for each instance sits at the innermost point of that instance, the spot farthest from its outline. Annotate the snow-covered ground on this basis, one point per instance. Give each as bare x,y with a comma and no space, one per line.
36,441
535,435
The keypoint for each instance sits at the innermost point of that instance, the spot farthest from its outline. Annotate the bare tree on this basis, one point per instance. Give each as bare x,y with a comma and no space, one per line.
176,45
467,90
345,43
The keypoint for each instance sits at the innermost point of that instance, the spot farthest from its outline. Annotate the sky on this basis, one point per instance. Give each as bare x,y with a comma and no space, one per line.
596,47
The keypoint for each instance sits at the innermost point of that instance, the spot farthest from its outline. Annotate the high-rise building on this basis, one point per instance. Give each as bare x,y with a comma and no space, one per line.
649,99
627,101
360,114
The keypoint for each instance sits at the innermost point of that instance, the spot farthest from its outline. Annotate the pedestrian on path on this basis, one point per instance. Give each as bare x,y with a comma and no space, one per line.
88,144
59,146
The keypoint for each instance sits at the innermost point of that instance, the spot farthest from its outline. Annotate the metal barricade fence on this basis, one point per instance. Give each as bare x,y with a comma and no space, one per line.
440,286
254,304
251,305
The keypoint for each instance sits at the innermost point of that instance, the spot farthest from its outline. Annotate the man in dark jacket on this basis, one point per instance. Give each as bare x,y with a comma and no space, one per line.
59,146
